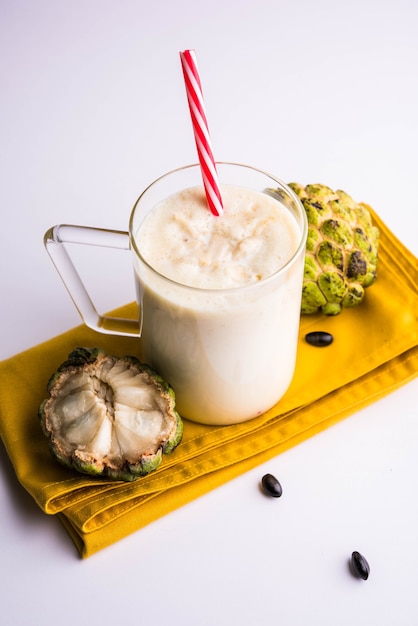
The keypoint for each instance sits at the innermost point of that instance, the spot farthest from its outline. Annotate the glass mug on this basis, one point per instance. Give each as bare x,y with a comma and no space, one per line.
229,354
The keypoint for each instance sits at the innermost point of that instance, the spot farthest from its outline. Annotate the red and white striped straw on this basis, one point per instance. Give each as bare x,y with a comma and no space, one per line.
201,131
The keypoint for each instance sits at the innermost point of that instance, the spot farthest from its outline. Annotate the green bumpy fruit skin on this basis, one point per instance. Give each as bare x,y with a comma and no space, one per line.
91,364
341,250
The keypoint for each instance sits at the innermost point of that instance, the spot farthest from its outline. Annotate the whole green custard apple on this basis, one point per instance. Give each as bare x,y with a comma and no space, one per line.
341,250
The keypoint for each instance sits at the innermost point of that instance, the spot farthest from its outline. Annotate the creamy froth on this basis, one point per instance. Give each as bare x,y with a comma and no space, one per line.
254,238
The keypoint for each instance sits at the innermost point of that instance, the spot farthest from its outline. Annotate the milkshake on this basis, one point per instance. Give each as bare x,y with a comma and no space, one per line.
220,296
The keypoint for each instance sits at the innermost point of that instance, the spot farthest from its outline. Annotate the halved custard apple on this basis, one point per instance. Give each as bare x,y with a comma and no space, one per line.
109,416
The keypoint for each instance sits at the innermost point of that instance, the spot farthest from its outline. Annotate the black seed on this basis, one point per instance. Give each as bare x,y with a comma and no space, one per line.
271,486
359,565
319,338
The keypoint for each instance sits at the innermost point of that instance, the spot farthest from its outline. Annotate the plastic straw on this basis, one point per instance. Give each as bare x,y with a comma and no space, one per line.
201,131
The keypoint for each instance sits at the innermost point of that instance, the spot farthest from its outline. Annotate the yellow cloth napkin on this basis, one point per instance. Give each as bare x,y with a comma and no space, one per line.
374,352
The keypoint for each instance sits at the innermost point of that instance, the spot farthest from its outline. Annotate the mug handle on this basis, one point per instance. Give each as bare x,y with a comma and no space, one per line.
55,239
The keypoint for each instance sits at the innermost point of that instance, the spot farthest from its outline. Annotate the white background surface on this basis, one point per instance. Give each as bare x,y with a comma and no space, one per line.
92,109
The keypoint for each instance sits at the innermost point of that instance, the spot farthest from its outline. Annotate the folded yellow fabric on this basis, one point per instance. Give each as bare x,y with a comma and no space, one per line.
375,350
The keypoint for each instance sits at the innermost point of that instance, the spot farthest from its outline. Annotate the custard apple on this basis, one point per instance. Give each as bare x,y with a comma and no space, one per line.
341,250
109,416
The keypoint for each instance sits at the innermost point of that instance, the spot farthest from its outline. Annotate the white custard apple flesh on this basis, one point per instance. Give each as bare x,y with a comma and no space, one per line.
341,250
109,416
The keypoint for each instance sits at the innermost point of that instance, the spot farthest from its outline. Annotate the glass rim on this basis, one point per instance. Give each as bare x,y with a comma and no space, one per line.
223,291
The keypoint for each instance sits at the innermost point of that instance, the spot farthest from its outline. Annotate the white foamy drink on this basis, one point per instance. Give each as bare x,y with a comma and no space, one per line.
254,238
220,300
